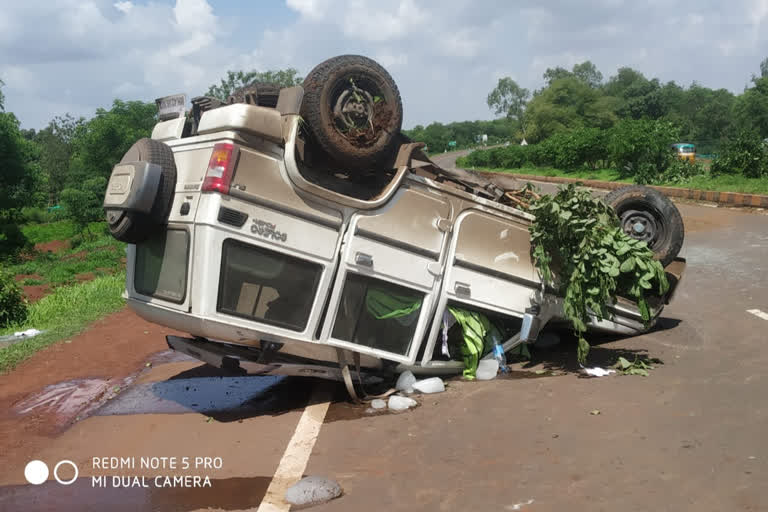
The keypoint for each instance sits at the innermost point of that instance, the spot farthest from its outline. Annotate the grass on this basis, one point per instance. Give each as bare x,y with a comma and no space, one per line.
60,230
727,183
64,313
100,256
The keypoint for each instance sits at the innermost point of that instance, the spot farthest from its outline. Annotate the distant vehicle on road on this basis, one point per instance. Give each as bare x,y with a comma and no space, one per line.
685,151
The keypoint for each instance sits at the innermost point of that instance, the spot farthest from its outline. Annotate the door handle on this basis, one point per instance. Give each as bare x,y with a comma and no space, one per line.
461,289
364,260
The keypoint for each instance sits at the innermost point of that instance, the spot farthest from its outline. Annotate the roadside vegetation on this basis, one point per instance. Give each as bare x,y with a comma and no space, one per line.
620,129
633,151
62,314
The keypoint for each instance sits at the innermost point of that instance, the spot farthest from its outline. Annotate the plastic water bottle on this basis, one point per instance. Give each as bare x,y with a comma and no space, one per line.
499,355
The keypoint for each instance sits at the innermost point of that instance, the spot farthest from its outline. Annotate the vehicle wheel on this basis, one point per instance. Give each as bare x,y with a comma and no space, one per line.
646,214
134,227
263,94
353,109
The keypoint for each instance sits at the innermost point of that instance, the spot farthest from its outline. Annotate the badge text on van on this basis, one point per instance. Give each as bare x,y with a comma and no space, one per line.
267,230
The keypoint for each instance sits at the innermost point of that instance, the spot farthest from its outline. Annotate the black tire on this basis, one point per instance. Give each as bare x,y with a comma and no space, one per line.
365,134
646,214
134,227
263,94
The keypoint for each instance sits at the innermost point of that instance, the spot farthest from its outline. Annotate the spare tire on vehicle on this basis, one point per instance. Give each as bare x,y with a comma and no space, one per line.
648,215
132,226
353,110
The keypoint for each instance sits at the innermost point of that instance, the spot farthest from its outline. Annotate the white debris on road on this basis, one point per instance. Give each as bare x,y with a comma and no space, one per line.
401,403
598,372
487,369
433,385
758,313
519,506
378,403
405,381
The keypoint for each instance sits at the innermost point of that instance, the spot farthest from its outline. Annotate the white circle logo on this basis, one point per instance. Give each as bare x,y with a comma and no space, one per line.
36,472
56,472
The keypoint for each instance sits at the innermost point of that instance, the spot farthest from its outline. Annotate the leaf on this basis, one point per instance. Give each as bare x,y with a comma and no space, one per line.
628,265
623,363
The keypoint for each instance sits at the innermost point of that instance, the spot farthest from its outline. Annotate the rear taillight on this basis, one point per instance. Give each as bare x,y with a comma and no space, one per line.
218,177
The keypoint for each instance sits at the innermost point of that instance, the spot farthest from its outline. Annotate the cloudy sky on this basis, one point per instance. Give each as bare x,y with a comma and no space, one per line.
446,55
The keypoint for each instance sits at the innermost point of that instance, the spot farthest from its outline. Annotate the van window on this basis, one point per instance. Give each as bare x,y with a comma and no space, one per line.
161,265
266,286
377,314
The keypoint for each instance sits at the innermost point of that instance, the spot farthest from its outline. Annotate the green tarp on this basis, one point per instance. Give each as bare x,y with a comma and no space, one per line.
478,331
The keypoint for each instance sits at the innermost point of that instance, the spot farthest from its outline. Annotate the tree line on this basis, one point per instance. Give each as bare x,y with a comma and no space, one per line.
581,98
61,171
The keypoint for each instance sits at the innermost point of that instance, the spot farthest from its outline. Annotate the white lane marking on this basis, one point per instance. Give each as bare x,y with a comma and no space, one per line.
296,456
758,313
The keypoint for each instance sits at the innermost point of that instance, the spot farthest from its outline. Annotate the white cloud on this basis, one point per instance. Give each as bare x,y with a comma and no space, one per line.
446,55
124,7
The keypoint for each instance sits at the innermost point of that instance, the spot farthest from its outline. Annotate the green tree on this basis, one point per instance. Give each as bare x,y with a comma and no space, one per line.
588,73
102,141
84,203
746,154
236,79
568,103
641,148
552,74
752,108
509,99
764,68
18,179
57,147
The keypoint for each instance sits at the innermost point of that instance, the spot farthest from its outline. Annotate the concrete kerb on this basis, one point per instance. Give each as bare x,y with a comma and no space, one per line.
724,198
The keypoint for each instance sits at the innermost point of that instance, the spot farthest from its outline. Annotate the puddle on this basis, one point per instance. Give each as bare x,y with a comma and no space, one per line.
224,398
224,494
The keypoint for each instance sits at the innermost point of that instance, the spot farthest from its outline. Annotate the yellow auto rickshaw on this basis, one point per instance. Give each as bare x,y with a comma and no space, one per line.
685,151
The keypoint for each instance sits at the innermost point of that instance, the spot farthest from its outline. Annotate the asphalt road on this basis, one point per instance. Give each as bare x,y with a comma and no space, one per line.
688,437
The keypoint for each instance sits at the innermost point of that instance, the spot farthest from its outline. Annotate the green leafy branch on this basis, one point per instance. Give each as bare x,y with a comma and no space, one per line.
581,251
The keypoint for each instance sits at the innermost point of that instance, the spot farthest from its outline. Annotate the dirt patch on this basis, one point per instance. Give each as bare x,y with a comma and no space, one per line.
109,350
21,277
80,255
53,246
36,292
85,276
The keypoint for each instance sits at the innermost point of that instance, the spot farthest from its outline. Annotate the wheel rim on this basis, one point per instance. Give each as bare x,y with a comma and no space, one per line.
354,108
643,225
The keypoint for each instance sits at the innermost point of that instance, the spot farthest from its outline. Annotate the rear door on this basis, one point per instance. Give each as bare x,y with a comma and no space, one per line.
274,252
488,267
388,280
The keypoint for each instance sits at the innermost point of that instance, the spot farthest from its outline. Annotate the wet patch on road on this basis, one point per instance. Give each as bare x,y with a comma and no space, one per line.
82,495
64,401
224,398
